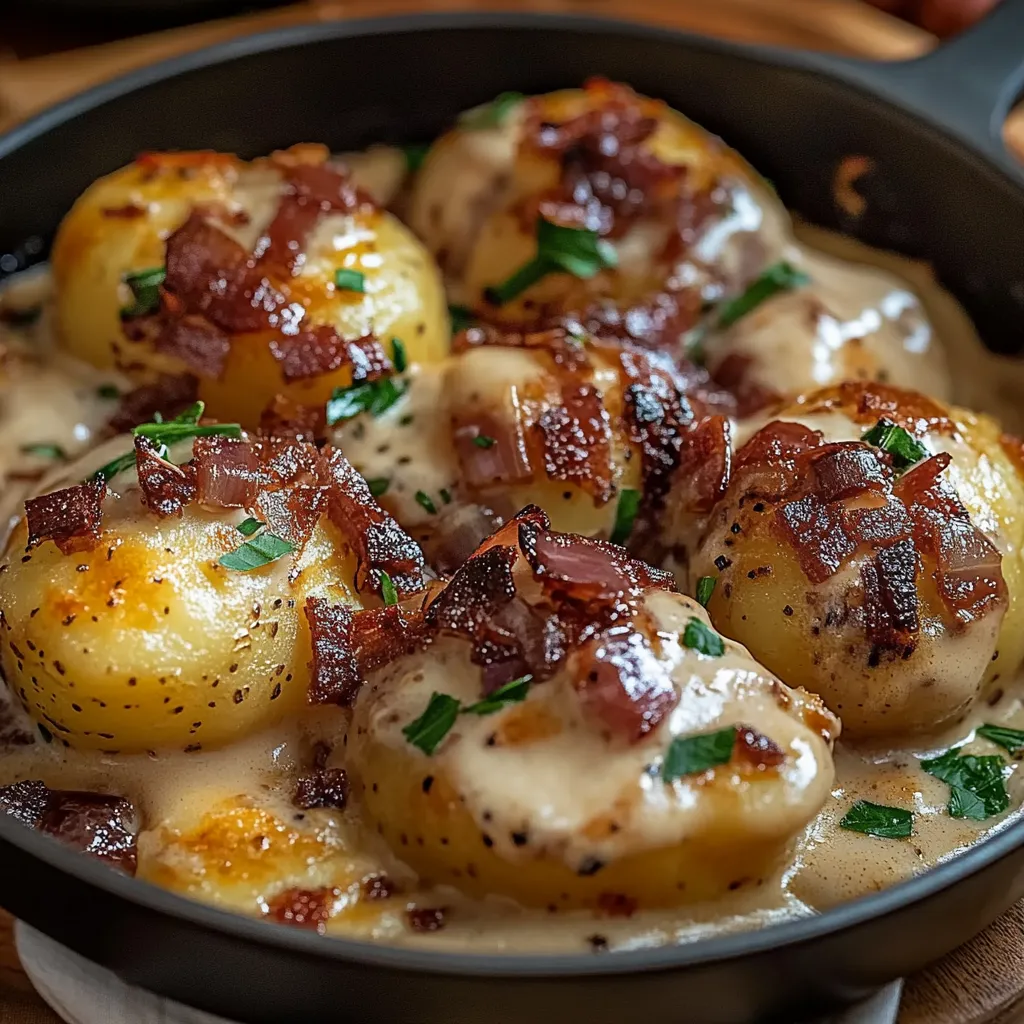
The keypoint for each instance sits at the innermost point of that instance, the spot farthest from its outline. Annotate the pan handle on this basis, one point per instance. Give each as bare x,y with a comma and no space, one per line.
968,85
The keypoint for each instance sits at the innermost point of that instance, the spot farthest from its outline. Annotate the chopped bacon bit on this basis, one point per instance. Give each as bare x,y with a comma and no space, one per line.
757,749
426,919
378,887
334,676
379,635
585,569
765,467
168,395
844,470
314,351
866,402
227,471
458,531
304,908
656,322
380,543
165,487
622,683
200,345
71,517
291,495
284,417
97,824
577,441
323,787
477,591
704,468
505,462
890,598
816,532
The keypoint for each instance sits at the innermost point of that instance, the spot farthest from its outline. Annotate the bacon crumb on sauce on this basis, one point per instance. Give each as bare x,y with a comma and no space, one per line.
101,825
833,502
322,787
71,517
166,488
304,908
586,608
214,289
426,919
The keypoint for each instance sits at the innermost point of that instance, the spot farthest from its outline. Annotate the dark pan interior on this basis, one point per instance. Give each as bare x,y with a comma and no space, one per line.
349,84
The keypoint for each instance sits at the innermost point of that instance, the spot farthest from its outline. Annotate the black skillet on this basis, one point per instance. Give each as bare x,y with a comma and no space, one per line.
943,188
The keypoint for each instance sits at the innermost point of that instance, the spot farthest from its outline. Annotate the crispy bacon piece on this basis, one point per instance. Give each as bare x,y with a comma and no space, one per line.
200,345
227,471
469,602
380,543
291,496
459,530
505,462
97,824
765,467
322,787
71,517
334,676
165,487
844,470
304,908
314,351
284,417
890,598
816,533
168,395
704,467
622,683
656,322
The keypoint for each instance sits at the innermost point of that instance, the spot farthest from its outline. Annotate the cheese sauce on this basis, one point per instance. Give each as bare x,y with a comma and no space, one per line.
221,825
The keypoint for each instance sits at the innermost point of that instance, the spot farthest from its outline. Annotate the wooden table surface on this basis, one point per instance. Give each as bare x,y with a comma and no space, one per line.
982,982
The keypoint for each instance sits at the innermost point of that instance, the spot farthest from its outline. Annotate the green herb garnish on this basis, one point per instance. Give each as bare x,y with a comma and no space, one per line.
904,448
118,465
977,788
576,251
625,514
779,277
493,114
261,549
691,755
398,356
44,451
446,495
185,425
108,391
374,397
415,153
511,693
461,318
703,639
705,588
350,280
1010,739
387,590
378,485
427,731
483,441
427,502
145,288
878,820
249,526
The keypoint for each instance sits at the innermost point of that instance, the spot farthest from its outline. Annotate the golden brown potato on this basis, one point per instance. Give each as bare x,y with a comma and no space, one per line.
886,580
572,795
247,256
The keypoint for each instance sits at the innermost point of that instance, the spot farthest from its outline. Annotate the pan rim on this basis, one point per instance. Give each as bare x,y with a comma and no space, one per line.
840,70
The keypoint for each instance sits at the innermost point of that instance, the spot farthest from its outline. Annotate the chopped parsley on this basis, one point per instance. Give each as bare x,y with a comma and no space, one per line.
426,502
461,318
691,755
108,391
779,277
904,448
483,441
705,588
387,590
703,639
1009,739
427,731
977,788
145,289
512,692
374,397
576,251
878,820
378,485
119,465
415,153
185,425
493,114
446,495
625,514
44,451
398,355
350,280
261,549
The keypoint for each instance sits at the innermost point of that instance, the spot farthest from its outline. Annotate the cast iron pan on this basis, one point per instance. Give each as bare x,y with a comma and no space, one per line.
943,188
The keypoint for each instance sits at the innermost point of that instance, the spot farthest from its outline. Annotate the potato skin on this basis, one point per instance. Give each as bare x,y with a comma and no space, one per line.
146,642
533,804
99,242
814,634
